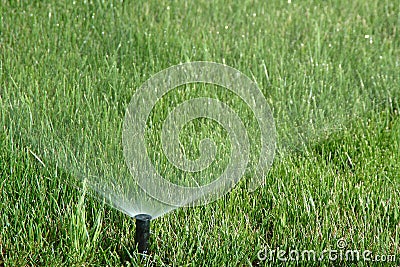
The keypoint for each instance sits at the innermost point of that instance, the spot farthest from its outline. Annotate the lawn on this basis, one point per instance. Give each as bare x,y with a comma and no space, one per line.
329,70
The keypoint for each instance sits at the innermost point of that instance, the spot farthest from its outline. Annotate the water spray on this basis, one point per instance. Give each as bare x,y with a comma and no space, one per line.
126,176
167,195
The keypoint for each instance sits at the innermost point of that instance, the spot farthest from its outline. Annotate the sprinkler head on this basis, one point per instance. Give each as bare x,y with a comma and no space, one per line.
142,232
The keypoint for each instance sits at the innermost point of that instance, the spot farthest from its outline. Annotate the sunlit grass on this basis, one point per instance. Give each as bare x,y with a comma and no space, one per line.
329,70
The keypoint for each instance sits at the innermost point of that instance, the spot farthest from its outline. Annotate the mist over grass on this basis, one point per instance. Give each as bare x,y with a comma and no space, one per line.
329,71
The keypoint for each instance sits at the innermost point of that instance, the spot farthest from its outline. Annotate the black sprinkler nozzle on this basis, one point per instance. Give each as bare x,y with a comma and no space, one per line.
142,232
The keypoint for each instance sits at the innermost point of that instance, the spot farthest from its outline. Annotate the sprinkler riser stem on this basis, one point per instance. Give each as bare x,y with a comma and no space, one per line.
142,232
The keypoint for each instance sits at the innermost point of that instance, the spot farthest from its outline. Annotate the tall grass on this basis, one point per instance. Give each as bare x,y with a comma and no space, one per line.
329,70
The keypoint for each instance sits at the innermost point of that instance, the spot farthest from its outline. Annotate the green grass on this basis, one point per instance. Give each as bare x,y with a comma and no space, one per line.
329,70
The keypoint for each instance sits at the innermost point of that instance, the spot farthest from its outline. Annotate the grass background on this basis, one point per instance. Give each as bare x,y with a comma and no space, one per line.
329,69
